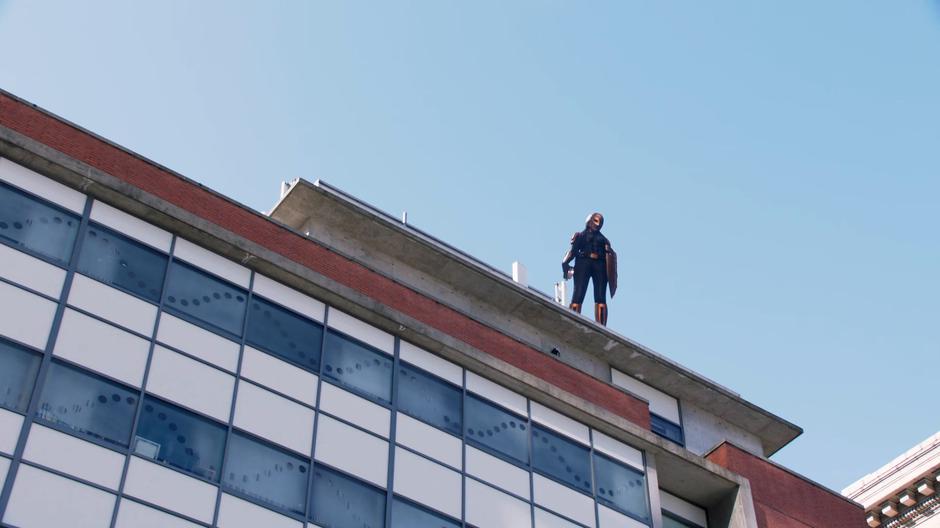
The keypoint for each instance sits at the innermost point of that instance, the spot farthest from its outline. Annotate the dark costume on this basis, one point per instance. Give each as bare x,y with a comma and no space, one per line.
594,261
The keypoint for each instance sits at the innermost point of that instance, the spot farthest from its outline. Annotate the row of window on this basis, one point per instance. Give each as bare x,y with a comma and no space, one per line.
104,410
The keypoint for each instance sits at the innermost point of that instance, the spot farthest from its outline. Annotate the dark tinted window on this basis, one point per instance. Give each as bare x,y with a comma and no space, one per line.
669,521
357,367
408,515
666,429
37,225
339,501
557,456
180,439
499,430
87,404
119,261
284,333
621,486
18,369
429,399
268,475
205,298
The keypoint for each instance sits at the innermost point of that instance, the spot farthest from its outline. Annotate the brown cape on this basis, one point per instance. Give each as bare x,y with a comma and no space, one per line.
612,272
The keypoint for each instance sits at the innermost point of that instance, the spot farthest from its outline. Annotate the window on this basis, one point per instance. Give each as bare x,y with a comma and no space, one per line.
357,367
213,301
119,261
496,429
339,501
268,475
557,456
30,223
407,515
671,521
87,404
429,399
180,439
621,487
18,370
666,429
284,334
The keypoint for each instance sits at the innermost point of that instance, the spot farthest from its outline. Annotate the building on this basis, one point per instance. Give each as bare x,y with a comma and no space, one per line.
171,358
903,492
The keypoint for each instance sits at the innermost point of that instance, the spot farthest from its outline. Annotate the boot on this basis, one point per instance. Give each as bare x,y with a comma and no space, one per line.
600,313
576,307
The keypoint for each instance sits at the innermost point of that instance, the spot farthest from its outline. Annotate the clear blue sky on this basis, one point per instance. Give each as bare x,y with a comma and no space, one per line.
770,171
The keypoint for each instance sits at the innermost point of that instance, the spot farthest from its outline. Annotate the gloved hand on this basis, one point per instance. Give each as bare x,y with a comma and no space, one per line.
565,270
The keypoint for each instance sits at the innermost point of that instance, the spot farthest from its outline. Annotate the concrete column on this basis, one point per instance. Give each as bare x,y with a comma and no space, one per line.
652,485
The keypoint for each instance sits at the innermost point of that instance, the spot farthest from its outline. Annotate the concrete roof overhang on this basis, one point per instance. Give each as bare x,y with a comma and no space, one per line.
427,265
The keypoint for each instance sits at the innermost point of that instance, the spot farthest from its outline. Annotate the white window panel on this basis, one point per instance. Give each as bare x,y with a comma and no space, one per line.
427,482
30,505
25,317
279,375
31,272
274,417
197,342
10,425
170,489
362,331
212,262
41,186
74,456
660,402
618,450
102,347
428,440
237,513
131,226
683,508
544,519
135,515
354,409
289,297
564,500
112,304
431,363
561,423
190,383
351,450
490,508
497,472
497,393
613,519
4,468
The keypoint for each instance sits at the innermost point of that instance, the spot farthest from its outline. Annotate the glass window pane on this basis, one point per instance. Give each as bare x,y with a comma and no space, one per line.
119,261
87,404
492,427
407,515
284,333
671,522
357,367
557,456
206,298
666,429
269,475
18,369
621,487
429,399
180,439
37,225
339,501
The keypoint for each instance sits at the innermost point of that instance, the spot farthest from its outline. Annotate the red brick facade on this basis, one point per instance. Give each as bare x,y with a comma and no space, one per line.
86,148
785,500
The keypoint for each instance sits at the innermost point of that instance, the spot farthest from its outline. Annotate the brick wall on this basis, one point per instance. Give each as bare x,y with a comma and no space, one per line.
785,500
